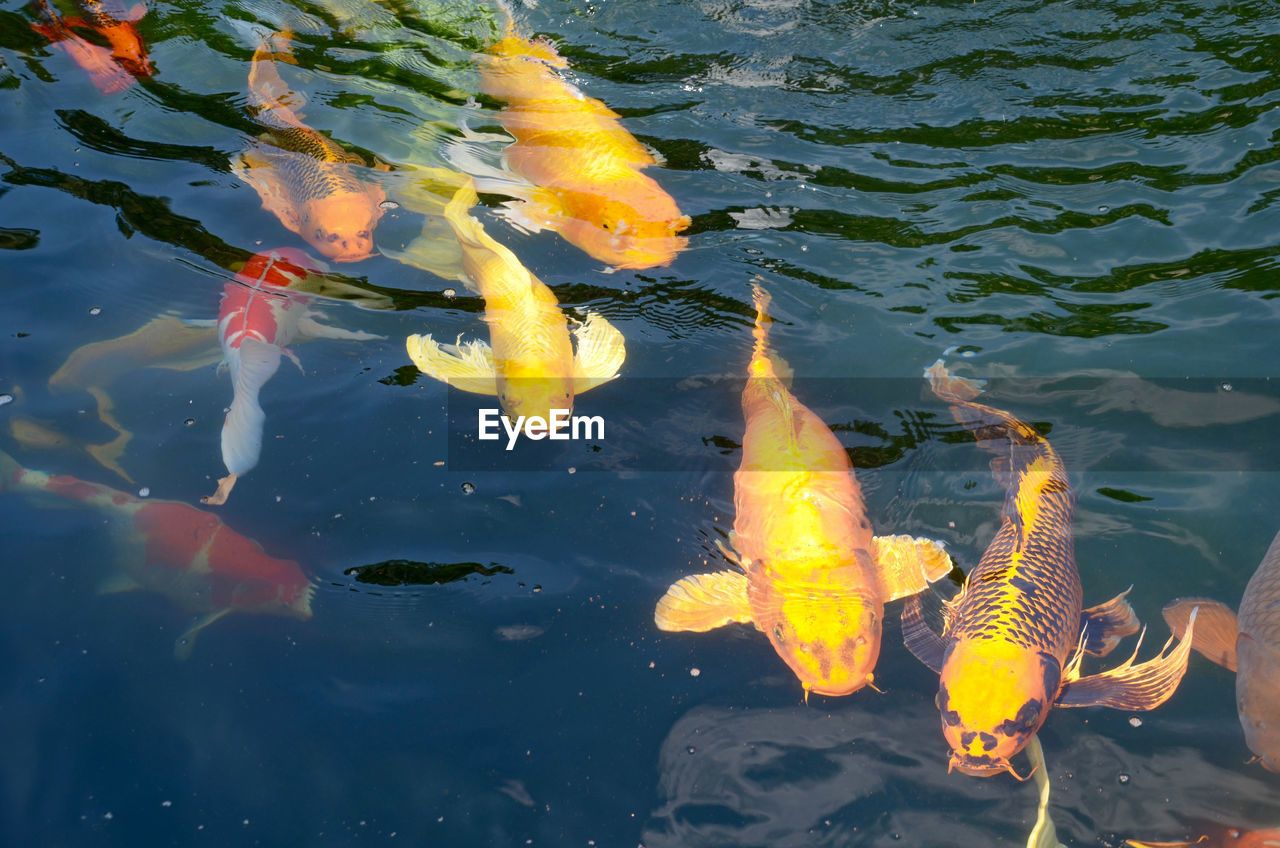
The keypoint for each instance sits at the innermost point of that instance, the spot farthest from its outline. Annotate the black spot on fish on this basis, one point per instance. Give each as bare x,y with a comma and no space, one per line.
967,738
988,741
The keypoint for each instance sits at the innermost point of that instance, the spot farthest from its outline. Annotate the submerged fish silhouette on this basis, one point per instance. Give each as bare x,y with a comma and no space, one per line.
1248,644
813,578
258,319
111,69
582,170
531,365
303,177
1015,635
186,554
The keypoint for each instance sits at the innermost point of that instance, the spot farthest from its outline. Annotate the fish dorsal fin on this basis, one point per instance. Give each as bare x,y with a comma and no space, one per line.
919,638
702,602
600,354
1216,628
1134,687
466,366
907,564
1106,624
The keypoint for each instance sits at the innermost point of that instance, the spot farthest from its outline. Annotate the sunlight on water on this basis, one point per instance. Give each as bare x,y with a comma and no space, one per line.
731,231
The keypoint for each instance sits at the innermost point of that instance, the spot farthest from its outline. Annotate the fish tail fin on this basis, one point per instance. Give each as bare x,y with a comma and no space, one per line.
765,363
951,387
251,367
1215,632
271,102
469,231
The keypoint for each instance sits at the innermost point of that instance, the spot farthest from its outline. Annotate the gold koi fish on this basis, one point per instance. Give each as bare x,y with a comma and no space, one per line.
303,177
1015,635
812,576
1248,644
530,363
583,167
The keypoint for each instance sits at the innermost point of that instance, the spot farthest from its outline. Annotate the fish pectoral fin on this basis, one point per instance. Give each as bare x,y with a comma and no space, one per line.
309,326
907,565
601,351
1043,834
259,171
702,602
1216,628
183,645
468,367
728,552
118,583
1134,687
220,495
1106,624
919,638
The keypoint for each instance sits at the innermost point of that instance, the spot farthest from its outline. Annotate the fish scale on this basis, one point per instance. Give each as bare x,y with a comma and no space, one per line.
312,175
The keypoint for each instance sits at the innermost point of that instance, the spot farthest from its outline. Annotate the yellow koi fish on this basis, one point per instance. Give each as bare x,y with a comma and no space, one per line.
530,364
1015,635
813,578
583,167
303,177
1248,644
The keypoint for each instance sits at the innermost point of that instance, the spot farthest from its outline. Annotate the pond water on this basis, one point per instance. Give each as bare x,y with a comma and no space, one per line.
1076,200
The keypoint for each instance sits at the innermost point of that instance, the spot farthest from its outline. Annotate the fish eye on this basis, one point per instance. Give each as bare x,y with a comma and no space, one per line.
319,233
332,237
363,234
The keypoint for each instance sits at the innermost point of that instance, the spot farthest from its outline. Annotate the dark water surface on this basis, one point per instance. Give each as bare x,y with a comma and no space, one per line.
1082,195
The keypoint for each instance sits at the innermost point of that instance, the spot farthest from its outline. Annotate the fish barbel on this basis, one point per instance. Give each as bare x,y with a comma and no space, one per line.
813,578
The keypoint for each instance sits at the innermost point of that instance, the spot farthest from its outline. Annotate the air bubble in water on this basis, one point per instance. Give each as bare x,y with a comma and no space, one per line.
189,421
1135,722
388,204
144,492
1122,779
97,310
468,488
6,398
450,292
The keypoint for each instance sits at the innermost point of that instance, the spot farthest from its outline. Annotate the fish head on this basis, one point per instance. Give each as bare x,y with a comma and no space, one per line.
993,696
340,226
830,638
633,225
283,266
532,395
1258,699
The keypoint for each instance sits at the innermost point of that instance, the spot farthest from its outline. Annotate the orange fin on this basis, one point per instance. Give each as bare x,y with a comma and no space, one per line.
919,638
1106,624
702,602
1216,628
907,565
1133,687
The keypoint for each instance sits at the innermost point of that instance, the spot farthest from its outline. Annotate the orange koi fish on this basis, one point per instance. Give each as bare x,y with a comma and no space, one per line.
1221,837
583,167
111,69
183,553
531,366
303,177
258,319
813,578
1248,644
1014,637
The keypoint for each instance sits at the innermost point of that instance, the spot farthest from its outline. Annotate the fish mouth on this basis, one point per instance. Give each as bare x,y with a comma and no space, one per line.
980,766
353,257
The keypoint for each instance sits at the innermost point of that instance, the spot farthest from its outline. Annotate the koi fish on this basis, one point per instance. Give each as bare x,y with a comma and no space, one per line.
1014,637
303,177
1248,644
812,576
531,366
258,319
1222,837
111,69
186,554
582,168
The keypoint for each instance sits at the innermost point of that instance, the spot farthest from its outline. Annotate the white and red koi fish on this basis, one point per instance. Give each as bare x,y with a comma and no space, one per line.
258,319
186,554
